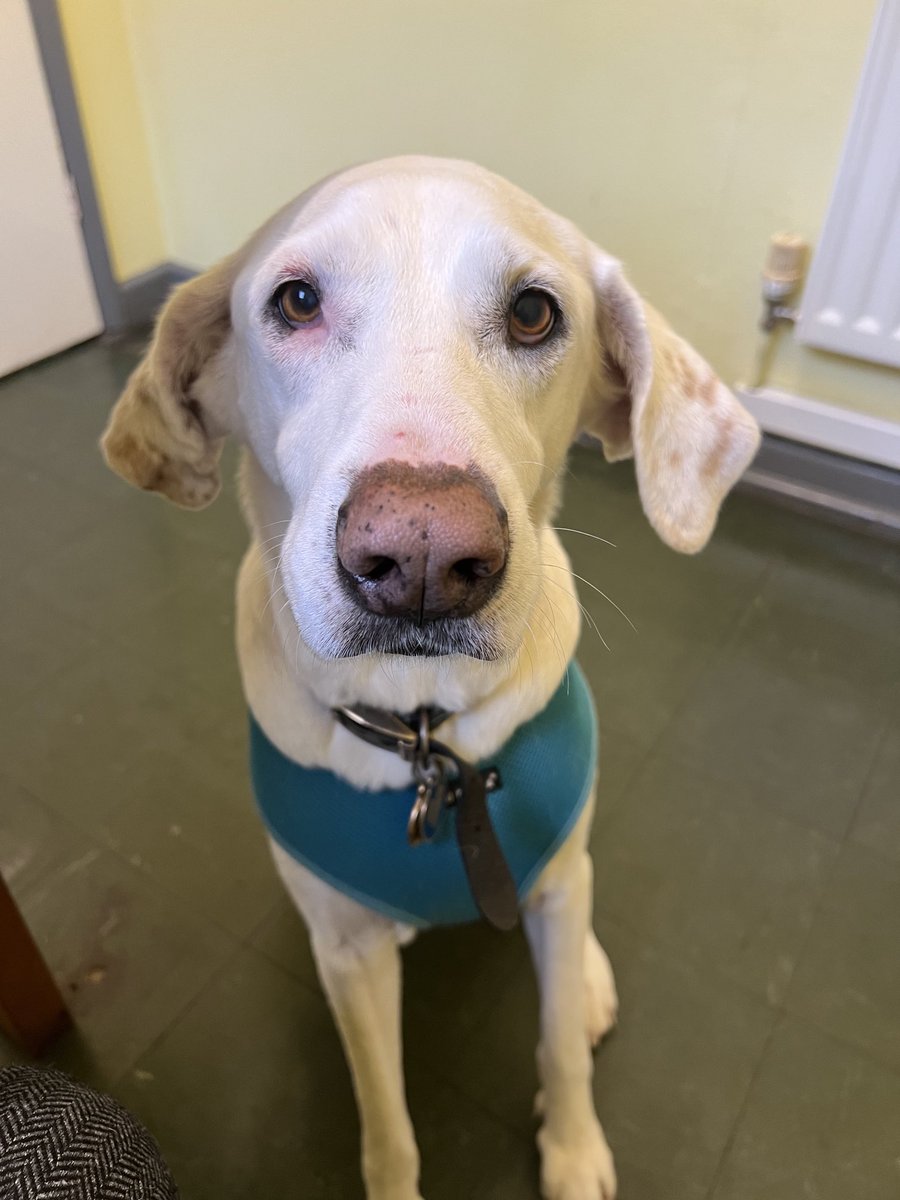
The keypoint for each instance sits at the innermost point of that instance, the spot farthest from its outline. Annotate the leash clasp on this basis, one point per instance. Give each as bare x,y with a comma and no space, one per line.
433,792
379,728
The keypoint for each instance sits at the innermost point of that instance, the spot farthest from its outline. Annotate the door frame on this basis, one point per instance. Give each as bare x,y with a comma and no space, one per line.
52,48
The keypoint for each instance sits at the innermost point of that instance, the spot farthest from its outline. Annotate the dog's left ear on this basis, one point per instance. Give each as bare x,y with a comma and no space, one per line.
658,400
166,431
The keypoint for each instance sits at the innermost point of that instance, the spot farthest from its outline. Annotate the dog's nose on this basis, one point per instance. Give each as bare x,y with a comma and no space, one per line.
422,542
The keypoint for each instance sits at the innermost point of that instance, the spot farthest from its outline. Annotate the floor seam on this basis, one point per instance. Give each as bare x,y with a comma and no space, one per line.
818,908
844,1043
176,1019
742,1110
867,778
728,637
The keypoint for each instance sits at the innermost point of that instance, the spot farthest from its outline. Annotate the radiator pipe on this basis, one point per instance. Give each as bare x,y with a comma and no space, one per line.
782,274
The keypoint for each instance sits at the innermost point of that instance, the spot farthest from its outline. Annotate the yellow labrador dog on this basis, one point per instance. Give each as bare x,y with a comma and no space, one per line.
406,353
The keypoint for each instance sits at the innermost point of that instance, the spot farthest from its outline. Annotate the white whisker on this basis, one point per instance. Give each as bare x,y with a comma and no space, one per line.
556,638
587,613
584,533
587,582
528,650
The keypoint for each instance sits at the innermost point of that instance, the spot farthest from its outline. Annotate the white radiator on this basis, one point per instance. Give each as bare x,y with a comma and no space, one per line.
851,304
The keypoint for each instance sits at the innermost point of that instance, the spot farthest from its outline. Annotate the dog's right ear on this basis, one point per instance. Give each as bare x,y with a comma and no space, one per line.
166,432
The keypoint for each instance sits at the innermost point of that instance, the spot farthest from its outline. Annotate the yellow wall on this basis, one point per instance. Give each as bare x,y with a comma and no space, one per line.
678,134
116,132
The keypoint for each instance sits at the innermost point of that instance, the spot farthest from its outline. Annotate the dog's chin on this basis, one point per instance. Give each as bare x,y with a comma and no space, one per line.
372,634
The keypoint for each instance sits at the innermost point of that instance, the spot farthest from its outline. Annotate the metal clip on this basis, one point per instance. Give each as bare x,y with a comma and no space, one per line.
382,729
425,814
431,787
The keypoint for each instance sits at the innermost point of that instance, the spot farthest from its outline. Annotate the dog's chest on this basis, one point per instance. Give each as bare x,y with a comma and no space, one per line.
356,839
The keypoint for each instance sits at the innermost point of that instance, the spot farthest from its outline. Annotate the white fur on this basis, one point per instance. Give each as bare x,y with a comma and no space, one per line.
415,259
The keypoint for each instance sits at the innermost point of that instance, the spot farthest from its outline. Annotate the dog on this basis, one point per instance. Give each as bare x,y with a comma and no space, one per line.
406,353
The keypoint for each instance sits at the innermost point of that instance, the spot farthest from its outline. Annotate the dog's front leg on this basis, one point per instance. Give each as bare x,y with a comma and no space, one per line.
576,1163
358,959
362,981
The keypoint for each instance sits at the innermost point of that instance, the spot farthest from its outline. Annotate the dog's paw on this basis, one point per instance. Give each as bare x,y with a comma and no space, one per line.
580,1169
601,1001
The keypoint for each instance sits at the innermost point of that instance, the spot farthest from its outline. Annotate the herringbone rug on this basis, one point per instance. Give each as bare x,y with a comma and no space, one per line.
60,1140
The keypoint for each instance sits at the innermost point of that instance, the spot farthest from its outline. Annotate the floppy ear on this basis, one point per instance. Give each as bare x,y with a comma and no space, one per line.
658,400
166,431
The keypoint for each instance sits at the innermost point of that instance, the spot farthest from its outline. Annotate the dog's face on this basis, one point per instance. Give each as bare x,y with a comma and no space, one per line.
409,350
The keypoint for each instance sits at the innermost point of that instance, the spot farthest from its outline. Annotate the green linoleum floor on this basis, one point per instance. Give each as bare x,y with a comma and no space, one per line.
746,849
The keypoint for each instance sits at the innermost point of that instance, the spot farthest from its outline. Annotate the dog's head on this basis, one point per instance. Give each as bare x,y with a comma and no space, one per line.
409,350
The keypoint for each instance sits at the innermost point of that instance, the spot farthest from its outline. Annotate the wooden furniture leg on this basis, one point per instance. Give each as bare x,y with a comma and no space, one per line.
32,1010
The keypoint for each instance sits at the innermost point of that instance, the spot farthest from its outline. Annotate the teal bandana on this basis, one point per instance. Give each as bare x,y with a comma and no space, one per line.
356,840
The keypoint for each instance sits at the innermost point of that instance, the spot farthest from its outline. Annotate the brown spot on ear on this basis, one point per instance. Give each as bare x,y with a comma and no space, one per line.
712,467
132,458
708,388
158,481
676,458
126,446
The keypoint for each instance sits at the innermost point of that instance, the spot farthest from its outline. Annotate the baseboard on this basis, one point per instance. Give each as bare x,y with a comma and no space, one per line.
142,295
812,423
851,492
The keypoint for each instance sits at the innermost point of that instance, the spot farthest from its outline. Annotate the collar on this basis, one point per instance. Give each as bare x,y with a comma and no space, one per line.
401,734
444,779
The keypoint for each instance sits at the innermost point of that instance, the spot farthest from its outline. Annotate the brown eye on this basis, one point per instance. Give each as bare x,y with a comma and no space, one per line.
532,317
298,302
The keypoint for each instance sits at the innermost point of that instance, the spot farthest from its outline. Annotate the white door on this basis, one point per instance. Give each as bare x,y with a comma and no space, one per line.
47,297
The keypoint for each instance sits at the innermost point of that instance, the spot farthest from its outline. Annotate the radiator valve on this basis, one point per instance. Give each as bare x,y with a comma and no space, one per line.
782,274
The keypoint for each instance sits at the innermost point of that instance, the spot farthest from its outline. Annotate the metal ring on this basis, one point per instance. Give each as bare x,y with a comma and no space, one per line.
423,747
427,770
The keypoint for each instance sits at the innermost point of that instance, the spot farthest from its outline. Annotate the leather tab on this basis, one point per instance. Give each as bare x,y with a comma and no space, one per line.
492,885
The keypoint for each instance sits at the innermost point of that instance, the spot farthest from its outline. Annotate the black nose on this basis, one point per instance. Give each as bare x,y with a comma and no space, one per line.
422,542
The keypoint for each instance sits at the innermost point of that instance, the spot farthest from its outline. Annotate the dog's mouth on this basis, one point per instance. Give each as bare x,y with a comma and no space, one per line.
369,633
